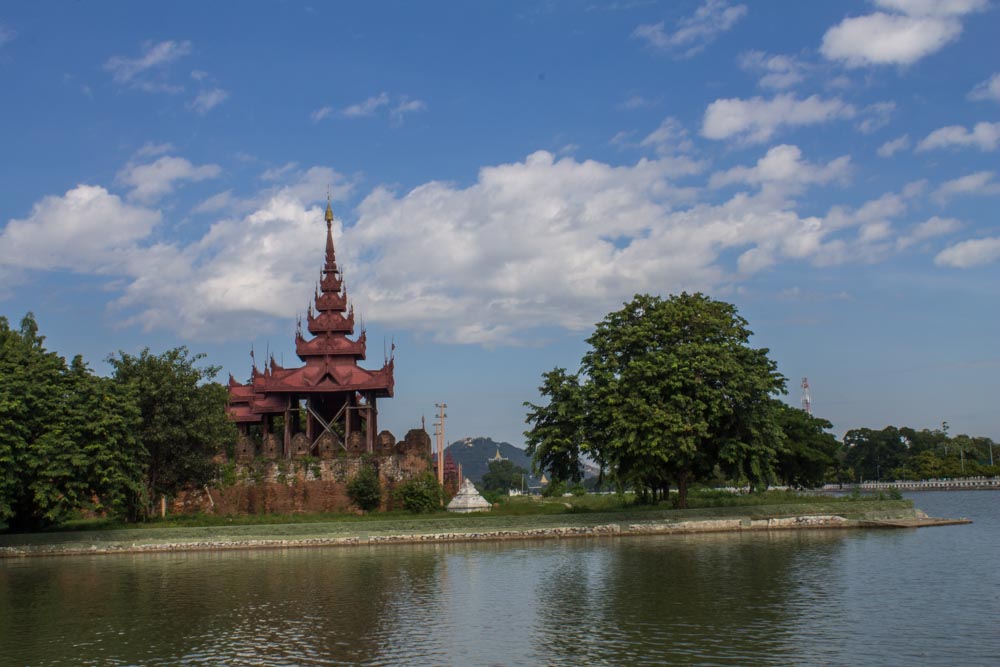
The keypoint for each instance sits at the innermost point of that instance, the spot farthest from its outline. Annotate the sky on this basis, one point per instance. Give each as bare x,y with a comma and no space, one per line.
505,174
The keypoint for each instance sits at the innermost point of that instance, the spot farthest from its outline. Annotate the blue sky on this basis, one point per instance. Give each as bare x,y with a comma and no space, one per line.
504,175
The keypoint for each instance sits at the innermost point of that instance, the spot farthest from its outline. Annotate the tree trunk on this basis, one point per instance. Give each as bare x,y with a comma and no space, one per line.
682,490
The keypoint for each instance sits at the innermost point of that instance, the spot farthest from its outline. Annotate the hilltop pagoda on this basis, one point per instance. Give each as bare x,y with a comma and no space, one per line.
327,405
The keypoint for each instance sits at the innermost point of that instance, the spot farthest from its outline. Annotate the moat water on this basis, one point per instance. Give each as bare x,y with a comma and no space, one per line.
882,597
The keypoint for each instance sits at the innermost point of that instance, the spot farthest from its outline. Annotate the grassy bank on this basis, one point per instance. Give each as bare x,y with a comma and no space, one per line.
519,514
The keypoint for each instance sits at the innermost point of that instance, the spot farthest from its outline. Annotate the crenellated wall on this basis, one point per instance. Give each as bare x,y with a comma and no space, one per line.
306,484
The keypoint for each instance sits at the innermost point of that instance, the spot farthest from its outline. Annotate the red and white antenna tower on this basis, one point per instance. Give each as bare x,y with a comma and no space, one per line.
806,399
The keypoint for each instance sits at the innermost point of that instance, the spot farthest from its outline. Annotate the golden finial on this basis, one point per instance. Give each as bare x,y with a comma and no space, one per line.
329,209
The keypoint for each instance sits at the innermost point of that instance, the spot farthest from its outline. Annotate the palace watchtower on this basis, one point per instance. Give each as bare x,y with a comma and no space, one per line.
325,406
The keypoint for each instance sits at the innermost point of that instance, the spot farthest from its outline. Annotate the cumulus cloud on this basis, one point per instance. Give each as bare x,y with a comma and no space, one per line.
669,138
782,173
207,100
893,146
987,90
928,229
876,116
971,253
984,136
86,230
978,183
145,72
367,107
756,120
693,33
151,181
914,29
775,71
537,243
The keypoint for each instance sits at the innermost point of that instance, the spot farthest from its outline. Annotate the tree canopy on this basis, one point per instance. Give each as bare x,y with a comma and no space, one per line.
671,391
183,423
66,436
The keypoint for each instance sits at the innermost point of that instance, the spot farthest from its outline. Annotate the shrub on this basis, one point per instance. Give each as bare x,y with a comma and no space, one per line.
420,494
365,490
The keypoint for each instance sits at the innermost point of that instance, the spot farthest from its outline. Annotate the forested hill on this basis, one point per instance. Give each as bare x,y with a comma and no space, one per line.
474,455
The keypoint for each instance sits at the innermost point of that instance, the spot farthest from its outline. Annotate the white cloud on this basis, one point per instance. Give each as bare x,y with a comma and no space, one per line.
756,119
406,106
321,113
638,102
984,136
694,32
153,180
987,90
775,71
84,230
876,116
542,242
928,229
207,100
669,138
366,108
893,146
216,202
782,173
967,254
914,29
149,149
978,183
145,72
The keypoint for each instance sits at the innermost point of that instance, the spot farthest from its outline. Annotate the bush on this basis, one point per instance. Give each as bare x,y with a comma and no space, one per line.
578,490
554,489
365,490
420,494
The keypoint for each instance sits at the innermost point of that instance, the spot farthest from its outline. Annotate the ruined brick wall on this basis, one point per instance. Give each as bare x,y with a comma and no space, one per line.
301,485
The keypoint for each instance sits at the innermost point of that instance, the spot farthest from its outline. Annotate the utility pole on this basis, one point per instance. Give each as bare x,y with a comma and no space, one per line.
441,440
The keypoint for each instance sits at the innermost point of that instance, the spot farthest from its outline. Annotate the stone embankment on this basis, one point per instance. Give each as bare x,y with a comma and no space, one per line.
739,524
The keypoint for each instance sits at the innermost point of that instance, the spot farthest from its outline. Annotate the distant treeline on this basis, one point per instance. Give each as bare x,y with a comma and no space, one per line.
72,441
904,453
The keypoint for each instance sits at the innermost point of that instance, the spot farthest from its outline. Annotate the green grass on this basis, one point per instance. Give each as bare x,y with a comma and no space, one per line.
515,514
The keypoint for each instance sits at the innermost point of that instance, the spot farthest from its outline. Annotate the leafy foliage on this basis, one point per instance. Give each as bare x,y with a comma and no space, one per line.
809,455
66,436
365,489
557,439
672,391
420,494
502,476
183,421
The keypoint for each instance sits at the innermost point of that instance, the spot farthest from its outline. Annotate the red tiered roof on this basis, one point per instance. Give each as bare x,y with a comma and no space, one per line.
330,358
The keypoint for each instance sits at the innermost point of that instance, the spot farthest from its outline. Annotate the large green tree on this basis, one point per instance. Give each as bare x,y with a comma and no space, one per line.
66,436
809,457
672,389
183,420
503,476
557,439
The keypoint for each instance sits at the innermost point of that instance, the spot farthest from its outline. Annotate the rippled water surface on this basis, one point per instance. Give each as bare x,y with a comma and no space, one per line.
892,597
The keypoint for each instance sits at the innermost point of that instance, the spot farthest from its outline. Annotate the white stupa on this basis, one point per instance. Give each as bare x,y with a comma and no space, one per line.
468,500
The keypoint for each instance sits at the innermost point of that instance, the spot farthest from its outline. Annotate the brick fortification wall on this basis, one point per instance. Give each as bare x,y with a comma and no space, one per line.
306,484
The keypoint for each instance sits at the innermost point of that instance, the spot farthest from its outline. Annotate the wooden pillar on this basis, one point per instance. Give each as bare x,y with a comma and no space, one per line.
310,429
372,422
288,433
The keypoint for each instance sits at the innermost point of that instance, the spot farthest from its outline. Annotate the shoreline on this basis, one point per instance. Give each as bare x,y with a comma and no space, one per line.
739,524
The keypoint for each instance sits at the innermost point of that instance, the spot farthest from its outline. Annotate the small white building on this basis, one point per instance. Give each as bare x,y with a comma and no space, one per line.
468,500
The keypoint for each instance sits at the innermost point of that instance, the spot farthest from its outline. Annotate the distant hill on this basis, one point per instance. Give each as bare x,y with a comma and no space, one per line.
474,455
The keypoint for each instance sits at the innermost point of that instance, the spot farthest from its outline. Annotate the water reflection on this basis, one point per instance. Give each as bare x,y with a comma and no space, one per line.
797,597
